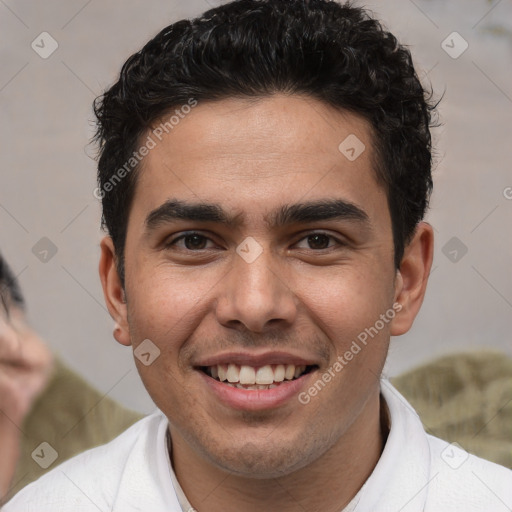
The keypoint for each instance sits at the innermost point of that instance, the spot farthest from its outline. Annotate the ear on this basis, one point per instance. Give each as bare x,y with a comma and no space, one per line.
113,291
411,279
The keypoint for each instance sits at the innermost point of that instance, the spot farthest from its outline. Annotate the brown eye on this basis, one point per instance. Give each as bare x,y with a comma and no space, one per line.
190,242
195,241
318,241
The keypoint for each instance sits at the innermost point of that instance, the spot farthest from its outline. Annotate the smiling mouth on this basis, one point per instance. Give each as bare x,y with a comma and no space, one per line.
252,378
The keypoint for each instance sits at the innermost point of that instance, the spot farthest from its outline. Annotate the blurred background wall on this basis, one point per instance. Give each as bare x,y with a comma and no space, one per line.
49,218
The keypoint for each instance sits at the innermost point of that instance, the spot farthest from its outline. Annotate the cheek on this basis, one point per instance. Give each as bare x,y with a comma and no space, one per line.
166,308
345,301
166,304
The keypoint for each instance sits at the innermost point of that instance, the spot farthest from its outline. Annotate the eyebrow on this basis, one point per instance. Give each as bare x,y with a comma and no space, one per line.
299,213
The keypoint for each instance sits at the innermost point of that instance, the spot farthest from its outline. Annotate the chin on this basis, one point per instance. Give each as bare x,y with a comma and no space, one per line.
263,460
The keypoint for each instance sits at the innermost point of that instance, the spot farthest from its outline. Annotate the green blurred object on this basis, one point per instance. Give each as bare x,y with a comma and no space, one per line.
72,417
465,398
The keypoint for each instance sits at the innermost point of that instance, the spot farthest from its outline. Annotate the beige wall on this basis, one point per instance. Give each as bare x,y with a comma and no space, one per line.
48,176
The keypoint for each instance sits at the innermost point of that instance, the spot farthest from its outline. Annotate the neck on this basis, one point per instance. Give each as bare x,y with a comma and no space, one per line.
329,483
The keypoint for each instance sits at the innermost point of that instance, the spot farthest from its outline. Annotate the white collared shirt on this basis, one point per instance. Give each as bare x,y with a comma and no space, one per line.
416,472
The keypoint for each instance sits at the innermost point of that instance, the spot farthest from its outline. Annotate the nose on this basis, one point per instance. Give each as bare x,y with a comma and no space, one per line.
256,295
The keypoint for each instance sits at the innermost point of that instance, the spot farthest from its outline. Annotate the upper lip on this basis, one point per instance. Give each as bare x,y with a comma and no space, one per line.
255,360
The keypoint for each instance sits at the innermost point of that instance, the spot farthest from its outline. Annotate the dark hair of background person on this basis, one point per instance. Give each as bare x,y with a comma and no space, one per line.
334,53
10,291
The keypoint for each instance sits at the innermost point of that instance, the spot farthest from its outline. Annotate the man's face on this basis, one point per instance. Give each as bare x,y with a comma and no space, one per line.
277,285
25,362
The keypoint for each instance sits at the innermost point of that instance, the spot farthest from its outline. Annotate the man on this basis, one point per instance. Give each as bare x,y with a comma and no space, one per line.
25,368
263,171
43,401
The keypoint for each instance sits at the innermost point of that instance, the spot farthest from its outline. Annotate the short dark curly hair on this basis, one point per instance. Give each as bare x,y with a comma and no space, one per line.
335,53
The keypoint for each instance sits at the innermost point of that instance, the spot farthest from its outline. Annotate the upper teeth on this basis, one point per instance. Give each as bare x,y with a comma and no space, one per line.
244,374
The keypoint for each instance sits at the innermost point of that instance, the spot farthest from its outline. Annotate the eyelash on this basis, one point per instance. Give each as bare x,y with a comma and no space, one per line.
191,233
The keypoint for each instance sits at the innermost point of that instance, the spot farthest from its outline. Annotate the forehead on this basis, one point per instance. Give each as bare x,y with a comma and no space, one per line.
254,154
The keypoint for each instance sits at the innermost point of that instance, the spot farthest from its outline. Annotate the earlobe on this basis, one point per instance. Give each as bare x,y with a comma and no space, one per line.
412,277
113,291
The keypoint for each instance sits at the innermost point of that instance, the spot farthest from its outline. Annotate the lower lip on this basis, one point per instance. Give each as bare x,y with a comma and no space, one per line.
255,399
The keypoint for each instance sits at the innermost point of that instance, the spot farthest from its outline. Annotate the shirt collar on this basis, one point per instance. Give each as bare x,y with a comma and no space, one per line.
400,479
